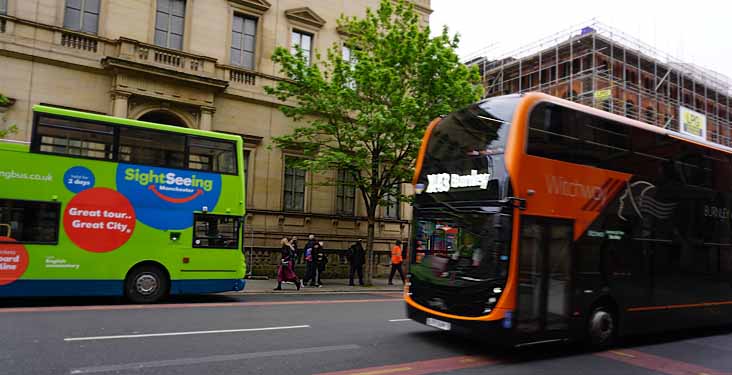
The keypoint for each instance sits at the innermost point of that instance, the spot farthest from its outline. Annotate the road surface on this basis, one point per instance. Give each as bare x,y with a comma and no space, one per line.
334,334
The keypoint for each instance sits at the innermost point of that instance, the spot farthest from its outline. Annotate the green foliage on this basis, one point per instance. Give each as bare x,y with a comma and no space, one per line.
4,100
368,115
12,129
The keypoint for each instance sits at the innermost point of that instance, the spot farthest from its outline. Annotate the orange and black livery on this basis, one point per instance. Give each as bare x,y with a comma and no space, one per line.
538,219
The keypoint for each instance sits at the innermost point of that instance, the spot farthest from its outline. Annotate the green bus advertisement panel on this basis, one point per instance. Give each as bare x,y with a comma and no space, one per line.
98,205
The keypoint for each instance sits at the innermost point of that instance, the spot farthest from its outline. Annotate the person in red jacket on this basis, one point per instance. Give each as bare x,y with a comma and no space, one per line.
396,262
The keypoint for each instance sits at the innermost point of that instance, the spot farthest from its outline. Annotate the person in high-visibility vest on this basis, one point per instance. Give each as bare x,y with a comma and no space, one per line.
396,262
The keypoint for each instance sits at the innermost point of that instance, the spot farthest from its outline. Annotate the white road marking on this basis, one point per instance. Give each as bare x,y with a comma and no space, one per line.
209,359
399,320
181,333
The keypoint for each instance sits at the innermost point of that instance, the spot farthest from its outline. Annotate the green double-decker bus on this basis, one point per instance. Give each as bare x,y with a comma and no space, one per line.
99,205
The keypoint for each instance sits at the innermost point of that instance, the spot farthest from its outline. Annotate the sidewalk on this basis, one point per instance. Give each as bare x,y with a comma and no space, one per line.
254,286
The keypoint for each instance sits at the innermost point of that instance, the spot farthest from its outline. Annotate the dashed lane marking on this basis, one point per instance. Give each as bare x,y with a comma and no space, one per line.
188,333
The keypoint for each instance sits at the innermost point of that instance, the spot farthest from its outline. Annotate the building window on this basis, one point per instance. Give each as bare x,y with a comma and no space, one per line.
294,192
169,23
350,58
391,210
347,54
305,42
345,193
243,40
79,15
3,6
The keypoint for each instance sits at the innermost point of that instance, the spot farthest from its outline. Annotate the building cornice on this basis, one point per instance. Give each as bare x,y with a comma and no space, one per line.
117,63
255,6
305,15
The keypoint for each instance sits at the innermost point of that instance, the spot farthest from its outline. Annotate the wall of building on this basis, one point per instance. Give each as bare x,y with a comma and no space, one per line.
119,71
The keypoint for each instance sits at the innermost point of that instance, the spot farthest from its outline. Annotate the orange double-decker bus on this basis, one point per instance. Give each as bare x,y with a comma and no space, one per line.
537,219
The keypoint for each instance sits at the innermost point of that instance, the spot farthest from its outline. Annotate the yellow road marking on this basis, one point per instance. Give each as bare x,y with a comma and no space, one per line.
623,354
385,371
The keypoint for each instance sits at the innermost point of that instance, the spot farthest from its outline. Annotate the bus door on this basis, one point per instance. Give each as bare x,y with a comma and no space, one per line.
544,278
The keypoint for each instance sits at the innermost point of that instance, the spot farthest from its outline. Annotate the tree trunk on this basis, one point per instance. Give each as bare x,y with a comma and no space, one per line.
370,268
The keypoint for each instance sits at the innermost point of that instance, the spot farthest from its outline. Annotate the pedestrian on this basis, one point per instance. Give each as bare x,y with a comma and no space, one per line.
309,264
311,241
286,268
319,260
297,258
356,259
396,262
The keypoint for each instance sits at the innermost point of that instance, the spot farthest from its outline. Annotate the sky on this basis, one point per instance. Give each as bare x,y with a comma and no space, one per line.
698,32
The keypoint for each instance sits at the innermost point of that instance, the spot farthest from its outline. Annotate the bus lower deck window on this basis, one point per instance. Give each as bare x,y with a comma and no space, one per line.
216,231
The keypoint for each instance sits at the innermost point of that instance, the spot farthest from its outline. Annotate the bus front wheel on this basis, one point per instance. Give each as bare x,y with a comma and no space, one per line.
146,283
602,327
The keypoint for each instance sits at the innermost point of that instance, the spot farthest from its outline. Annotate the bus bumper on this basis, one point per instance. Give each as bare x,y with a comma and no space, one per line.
492,331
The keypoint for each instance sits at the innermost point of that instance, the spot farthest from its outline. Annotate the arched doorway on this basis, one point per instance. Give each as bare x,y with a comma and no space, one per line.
163,117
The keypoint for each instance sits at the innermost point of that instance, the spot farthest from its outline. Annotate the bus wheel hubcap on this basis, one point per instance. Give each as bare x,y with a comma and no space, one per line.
146,284
602,325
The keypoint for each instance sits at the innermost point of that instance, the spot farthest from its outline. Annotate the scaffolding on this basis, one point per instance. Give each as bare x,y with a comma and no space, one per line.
605,68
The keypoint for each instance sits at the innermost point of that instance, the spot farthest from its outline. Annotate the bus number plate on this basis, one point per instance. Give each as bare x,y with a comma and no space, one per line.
445,326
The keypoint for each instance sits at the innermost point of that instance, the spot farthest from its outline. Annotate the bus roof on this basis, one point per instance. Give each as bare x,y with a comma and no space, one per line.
136,123
535,97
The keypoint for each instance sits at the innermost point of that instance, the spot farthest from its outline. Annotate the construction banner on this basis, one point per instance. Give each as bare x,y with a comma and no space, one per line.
692,123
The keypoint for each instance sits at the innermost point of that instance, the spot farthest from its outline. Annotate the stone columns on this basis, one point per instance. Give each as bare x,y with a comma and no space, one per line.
120,104
205,121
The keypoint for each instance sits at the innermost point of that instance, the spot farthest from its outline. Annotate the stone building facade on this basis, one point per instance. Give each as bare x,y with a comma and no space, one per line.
200,64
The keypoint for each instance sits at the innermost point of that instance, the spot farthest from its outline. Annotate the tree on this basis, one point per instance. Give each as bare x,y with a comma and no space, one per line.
367,114
12,129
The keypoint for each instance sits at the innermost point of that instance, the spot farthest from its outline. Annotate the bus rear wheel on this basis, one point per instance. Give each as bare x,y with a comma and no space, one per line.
146,284
601,328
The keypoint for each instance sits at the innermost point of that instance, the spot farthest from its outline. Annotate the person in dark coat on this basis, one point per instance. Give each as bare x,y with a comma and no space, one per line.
356,259
319,260
296,249
309,264
286,268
